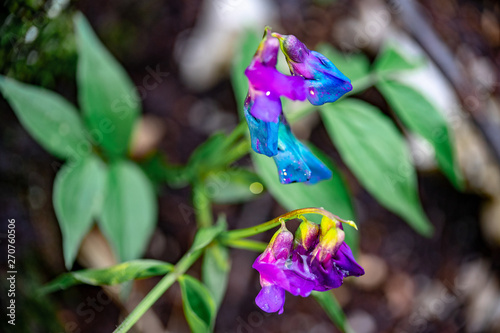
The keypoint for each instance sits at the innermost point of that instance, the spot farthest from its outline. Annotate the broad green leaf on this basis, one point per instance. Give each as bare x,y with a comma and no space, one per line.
355,66
131,270
198,304
422,117
205,236
128,213
378,156
330,194
391,60
244,54
78,193
106,94
230,186
48,117
332,308
215,271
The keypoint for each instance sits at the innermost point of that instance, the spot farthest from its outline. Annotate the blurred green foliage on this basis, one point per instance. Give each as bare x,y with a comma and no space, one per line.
37,43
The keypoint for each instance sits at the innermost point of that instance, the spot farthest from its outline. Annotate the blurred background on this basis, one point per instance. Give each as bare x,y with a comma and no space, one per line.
448,283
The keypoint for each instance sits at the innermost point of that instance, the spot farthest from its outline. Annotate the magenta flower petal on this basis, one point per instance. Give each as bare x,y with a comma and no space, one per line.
271,298
301,281
298,285
293,277
266,108
270,81
272,272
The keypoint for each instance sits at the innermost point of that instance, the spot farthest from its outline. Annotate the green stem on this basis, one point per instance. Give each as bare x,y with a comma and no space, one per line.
238,151
246,244
182,266
202,206
294,214
237,132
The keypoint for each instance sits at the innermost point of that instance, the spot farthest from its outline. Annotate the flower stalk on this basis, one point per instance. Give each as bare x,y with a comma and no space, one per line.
166,282
294,214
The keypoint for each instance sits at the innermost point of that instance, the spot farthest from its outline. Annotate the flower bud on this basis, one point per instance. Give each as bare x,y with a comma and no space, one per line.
306,237
293,48
331,238
280,245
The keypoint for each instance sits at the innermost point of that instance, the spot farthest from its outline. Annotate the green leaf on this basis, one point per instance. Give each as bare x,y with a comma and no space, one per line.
216,154
230,186
355,66
52,121
422,117
332,308
106,94
206,235
244,55
131,270
330,194
215,271
198,304
78,193
391,60
208,155
129,210
378,156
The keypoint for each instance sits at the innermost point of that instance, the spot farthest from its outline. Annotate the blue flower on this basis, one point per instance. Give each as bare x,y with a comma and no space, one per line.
324,82
314,77
294,161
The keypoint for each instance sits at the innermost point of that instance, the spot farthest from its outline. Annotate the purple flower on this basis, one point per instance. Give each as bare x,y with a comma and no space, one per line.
314,77
332,259
271,298
324,82
267,84
319,260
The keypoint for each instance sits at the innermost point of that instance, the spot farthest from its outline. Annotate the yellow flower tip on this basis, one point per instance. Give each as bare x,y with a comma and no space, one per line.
267,31
326,224
351,223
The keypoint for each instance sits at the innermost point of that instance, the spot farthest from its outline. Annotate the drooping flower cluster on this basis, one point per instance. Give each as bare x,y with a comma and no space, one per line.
314,78
317,258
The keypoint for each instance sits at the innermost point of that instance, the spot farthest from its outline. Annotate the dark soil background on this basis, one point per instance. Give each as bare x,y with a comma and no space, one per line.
416,284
